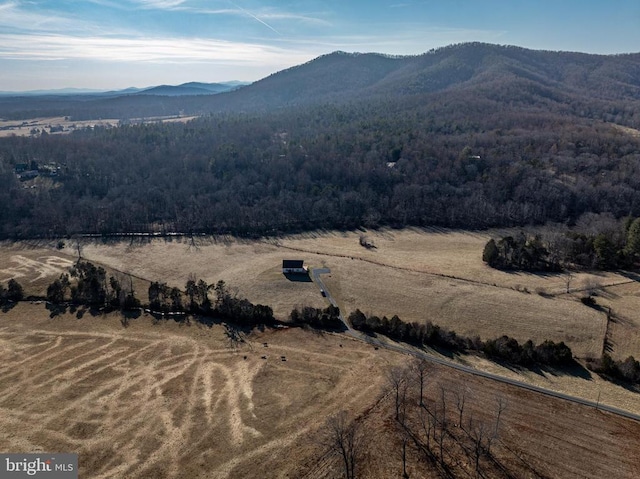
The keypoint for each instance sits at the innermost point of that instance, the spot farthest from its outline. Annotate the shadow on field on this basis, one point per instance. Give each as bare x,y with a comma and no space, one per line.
574,369
298,277
630,275
127,316
236,334
56,309
8,306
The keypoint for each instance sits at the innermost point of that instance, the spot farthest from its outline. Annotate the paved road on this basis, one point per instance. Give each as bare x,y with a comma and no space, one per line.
466,369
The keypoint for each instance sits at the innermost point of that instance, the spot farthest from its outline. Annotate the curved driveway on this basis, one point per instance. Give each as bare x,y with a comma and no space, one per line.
466,369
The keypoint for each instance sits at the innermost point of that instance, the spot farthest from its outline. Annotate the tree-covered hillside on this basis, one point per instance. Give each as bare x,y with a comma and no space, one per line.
505,137
325,167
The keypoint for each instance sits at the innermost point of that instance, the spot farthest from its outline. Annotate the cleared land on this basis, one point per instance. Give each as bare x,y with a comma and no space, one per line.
63,125
165,400
169,400
160,399
419,275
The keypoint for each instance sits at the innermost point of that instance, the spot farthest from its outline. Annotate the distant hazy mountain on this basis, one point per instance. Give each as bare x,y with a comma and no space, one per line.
191,88
60,91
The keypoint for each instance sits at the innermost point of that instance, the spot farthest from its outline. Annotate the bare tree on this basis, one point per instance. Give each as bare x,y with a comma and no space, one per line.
591,286
345,438
397,379
443,423
427,423
569,278
501,404
405,474
460,398
420,367
478,434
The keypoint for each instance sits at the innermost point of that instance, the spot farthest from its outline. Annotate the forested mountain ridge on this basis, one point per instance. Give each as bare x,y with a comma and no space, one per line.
492,136
597,83
462,66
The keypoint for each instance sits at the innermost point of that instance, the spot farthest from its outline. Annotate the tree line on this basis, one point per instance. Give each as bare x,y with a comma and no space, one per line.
225,305
627,370
607,244
87,284
327,318
504,348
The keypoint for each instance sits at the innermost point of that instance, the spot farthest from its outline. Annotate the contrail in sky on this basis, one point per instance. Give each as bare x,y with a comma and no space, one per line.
254,17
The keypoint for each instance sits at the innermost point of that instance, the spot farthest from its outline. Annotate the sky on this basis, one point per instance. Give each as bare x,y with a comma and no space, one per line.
115,44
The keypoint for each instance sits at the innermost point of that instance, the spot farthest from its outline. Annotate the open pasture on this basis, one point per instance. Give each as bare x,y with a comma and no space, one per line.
167,400
418,275
33,266
64,125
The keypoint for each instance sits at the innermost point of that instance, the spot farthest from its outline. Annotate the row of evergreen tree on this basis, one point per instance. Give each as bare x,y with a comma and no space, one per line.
627,370
504,348
226,305
328,318
87,284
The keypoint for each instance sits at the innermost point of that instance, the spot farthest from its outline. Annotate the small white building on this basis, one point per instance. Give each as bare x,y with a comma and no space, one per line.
293,266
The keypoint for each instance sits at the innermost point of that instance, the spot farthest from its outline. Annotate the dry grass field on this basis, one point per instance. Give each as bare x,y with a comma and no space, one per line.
171,400
24,128
36,264
418,275
252,269
539,437
440,276
168,400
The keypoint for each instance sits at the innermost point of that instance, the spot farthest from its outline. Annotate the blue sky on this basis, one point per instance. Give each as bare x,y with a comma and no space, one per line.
109,44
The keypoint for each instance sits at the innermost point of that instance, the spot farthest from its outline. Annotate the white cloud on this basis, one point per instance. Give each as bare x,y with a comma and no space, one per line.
13,17
142,49
294,17
160,4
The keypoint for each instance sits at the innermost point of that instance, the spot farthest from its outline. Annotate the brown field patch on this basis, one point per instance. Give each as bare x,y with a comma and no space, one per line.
35,265
624,329
448,253
25,127
251,269
418,275
539,436
170,400
469,309
176,401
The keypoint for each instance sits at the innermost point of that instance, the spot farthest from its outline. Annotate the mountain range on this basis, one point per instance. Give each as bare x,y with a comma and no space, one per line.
484,69
506,76
190,88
